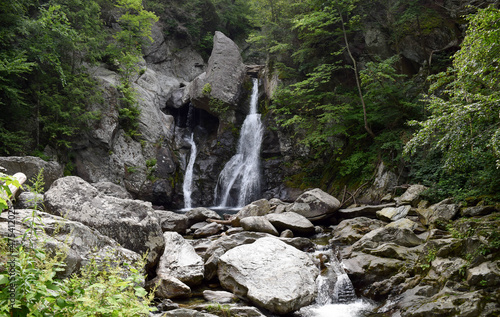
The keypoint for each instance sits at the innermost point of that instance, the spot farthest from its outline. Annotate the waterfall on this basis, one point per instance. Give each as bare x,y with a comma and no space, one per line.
336,295
239,180
187,185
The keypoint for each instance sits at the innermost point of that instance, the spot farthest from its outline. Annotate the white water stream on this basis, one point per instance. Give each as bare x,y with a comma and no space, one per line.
240,181
336,296
187,185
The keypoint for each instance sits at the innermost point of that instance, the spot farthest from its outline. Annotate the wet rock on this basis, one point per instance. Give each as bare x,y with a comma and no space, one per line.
168,287
171,221
166,305
208,230
257,208
270,274
315,204
299,224
393,213
132,223
180,260
245,311
258,224
200,214
184,312
222,297
287,233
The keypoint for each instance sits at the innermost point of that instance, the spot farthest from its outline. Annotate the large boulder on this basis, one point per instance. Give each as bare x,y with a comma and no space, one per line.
78,242
180,260
411,195
299,224
257,208
315,204
225,76
200,214
271,274
258,224
351,230
31,166
171,221
132,223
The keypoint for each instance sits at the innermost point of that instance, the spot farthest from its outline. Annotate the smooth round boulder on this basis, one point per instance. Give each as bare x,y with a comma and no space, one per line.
315,205
299,224
271,274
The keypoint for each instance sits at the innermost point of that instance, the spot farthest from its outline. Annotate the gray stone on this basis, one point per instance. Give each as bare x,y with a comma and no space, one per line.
478,211
171,221
393,213
111,189
132,223
168,287
412,195
258,224
79,242
351,230
180,260
299,224
29,200
184,312
208,230
315,204
200,214
222,297
225,75
368,211
256,208
403,224
486,274
271,274
31,166
403,237
246,311
287,233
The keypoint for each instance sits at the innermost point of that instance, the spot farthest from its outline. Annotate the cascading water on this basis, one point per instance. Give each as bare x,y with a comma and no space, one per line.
239,181
336,295
187,185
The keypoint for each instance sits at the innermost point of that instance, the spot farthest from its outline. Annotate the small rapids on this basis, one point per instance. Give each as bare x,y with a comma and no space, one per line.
336,295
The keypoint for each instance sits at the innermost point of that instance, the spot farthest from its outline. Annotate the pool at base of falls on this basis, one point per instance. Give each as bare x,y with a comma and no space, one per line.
357,308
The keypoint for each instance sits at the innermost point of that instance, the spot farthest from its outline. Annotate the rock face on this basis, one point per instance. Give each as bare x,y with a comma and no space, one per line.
79,242
270,274
31,166
315,205
225,75
180,260
132,223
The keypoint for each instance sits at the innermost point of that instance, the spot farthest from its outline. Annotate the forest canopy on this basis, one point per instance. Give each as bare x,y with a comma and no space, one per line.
436,123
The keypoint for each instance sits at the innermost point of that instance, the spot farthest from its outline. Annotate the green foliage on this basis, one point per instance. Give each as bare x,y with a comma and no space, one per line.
464,126
219,310
5,192
103,287
207,90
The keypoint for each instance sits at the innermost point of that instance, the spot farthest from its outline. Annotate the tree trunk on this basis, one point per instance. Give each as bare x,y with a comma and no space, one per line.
358,84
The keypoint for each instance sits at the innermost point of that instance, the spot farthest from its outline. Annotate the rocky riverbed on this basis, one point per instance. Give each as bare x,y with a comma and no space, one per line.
404,258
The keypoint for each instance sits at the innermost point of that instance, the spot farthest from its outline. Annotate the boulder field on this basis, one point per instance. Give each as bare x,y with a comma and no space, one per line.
405,257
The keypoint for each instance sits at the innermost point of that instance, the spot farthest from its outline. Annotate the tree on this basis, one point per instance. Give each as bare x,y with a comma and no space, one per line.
464,123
